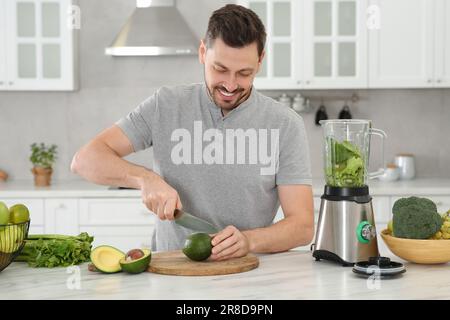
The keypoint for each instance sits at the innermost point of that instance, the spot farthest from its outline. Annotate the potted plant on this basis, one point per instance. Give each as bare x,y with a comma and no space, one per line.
43,157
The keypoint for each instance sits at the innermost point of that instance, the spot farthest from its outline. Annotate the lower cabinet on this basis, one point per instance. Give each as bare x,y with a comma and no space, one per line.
122,237
61,216
124,223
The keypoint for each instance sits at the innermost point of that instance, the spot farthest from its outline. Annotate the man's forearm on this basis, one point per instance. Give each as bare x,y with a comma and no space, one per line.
102,165
281,236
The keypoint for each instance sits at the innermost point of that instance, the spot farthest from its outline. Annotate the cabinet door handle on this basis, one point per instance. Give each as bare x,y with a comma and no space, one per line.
308,82
61,206
299,82
439,80
429,80
1,83
11,83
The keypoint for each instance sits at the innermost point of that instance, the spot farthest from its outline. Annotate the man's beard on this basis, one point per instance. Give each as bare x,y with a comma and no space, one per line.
224,105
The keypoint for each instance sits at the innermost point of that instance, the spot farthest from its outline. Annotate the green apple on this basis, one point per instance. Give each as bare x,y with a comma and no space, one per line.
4,214
11,238
19,213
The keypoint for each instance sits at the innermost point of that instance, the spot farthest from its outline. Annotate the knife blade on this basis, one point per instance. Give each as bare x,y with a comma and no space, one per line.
192,222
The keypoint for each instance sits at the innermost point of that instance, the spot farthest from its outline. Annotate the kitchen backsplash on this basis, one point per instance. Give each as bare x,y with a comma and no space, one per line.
416,121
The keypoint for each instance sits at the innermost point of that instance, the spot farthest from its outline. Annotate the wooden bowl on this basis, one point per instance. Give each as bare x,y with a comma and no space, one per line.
418,251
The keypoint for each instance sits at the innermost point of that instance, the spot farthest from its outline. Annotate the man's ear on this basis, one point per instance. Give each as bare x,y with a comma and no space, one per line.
260,60
202,52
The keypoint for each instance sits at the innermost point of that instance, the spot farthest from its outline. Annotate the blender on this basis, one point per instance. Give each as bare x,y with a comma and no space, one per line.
346,231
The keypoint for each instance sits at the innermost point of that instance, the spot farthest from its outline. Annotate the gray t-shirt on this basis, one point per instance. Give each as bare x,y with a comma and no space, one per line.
225,168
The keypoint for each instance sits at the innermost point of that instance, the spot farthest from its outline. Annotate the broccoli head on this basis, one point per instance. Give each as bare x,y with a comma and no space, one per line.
414,221
421,202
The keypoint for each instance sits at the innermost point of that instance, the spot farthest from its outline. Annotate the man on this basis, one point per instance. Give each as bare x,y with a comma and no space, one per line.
222,151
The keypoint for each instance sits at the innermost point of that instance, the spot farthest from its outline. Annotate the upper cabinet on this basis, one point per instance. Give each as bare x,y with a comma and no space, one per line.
313,44
401,49
282,65
38,45
442,40
2,46
335,44
343,44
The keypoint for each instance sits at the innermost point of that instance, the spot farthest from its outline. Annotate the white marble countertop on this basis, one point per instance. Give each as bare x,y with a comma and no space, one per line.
289,275
78,188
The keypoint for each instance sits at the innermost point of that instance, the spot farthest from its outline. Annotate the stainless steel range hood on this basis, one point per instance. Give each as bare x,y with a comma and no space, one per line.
154,30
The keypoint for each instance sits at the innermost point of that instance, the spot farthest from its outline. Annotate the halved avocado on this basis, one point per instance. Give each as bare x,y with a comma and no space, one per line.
138,265
106,259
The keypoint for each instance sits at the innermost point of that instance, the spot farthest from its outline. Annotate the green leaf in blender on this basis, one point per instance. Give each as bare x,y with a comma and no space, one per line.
347,166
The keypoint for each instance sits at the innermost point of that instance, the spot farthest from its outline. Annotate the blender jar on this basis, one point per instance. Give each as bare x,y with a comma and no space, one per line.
347,150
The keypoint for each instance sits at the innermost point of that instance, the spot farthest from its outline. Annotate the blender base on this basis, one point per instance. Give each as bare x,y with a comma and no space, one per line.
346,231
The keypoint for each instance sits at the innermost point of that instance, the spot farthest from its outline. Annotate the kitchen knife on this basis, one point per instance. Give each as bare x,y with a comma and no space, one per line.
189,221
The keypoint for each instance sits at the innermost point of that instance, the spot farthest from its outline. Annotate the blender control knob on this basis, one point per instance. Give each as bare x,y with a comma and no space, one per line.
365,232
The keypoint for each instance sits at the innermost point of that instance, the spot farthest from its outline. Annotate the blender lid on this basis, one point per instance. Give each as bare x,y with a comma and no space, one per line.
384,266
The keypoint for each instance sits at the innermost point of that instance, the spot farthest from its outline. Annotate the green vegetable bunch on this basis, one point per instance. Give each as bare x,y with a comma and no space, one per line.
346,168
56,250
42,155
415,218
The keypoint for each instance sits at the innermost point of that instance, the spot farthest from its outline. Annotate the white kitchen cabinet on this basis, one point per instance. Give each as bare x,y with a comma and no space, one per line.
335,44
313,44
61,216
38,44
401,49
115,212
2,46
347,44
124,223
122,237
282,64
442,41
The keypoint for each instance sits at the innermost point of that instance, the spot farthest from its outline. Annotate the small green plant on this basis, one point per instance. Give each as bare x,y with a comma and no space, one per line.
42,155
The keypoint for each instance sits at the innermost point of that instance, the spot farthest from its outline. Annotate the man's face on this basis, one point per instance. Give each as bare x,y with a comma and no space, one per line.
229,72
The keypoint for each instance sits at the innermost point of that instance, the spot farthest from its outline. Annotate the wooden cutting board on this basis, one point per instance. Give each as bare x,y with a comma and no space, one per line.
176,263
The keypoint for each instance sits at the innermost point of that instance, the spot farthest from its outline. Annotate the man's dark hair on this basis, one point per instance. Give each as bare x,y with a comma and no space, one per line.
237,26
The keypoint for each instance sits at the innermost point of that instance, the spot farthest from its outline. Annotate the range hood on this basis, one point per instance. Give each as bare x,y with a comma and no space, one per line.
156,28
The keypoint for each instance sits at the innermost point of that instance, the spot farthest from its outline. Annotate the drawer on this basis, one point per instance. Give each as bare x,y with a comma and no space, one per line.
123,238
35,206
105,211
442,202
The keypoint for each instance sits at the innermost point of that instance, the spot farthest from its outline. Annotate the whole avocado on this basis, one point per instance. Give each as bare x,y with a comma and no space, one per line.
414,221
198,246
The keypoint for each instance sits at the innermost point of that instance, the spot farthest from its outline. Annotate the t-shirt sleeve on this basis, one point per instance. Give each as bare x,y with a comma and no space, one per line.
294,166
137,125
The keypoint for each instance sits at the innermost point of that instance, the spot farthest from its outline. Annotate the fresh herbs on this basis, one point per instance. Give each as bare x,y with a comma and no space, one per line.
52,250
42,155
345,167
